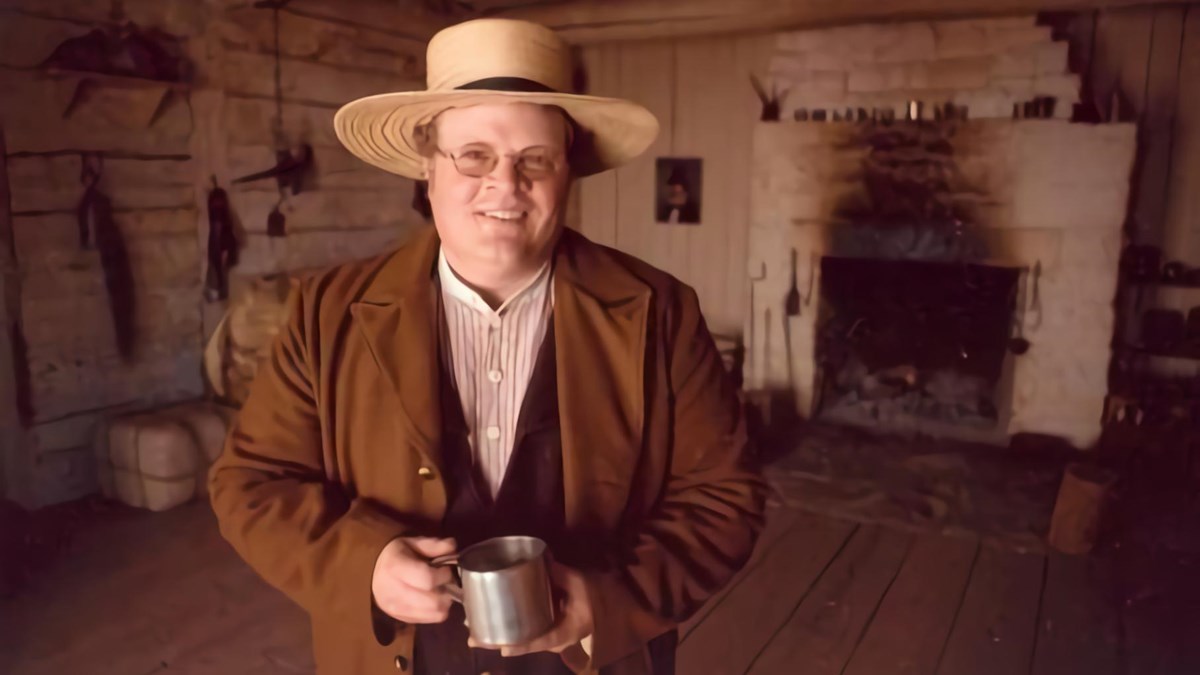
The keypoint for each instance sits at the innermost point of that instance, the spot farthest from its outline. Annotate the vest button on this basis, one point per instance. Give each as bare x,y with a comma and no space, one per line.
425,472
401,663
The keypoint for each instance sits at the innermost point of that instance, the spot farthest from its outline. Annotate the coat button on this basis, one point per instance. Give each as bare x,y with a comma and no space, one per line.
401,663
425,472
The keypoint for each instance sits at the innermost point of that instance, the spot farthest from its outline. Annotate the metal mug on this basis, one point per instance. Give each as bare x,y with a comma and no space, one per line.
504,589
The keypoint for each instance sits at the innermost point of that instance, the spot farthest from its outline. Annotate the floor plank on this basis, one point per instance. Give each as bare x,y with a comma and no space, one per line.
820,636
146,592
1078,628
779,520
995,629
728,639
908,633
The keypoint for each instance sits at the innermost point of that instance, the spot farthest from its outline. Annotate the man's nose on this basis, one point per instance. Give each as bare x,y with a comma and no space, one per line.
505,175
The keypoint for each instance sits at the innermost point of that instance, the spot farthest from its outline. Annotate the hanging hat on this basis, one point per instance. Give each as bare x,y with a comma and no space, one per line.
494,61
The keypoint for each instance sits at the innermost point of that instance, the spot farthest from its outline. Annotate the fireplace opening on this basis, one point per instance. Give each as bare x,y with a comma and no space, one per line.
914,345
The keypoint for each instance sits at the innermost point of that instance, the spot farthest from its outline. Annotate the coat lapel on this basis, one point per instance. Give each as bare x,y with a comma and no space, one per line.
601,313
601,317
396,318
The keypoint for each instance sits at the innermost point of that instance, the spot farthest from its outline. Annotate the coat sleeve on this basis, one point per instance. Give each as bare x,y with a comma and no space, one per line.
704,527
273,496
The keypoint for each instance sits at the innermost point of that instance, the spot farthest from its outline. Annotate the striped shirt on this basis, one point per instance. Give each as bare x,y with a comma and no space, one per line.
492,354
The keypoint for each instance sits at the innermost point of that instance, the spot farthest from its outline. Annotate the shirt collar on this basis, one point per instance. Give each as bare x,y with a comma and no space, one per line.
454,286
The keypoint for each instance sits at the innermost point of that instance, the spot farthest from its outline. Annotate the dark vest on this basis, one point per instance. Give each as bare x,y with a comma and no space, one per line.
529,502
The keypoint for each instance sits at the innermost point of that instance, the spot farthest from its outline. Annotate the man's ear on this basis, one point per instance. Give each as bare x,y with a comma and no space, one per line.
427,170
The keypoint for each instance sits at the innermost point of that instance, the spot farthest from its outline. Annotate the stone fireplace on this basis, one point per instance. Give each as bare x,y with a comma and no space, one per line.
913,344
980,310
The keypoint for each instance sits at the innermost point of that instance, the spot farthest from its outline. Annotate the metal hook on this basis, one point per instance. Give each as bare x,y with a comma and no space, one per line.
1035,301
91,167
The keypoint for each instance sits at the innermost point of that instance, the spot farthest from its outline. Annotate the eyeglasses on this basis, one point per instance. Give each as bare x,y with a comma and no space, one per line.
477,161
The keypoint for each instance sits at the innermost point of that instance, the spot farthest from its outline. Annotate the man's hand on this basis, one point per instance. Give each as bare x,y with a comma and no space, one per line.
574,622
406,587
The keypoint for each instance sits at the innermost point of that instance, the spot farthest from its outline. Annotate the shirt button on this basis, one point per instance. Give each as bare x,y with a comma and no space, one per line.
425,472
401,663
495,376
493,433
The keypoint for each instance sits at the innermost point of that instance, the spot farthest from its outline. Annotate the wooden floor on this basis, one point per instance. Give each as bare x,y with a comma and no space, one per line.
148,593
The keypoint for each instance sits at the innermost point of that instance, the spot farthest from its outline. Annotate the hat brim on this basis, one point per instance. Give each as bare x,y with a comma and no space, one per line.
379,129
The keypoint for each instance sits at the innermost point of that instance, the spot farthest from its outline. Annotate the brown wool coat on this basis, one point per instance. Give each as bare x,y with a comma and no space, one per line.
336,450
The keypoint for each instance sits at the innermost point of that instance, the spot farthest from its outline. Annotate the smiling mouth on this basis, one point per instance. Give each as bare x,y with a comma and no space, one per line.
504,216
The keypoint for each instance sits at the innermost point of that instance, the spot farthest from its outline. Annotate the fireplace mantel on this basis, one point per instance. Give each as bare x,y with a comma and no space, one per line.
1048,196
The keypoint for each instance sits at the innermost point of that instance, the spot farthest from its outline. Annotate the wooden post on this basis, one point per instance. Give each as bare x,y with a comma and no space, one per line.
1076,518
14,461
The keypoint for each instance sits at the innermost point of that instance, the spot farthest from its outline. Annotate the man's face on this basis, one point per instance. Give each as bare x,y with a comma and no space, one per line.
503,223
676,194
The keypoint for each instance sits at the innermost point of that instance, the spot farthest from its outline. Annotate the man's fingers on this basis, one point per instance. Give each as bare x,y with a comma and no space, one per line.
415,616
401,595
416,606
432,548
425,600
418,573
547,643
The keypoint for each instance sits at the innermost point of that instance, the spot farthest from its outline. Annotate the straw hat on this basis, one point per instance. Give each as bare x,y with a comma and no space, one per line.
494,61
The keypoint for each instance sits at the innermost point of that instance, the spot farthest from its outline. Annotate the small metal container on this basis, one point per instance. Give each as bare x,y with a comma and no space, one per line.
505,590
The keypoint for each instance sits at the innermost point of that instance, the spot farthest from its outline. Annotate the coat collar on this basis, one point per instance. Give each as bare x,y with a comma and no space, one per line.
601,317
577,262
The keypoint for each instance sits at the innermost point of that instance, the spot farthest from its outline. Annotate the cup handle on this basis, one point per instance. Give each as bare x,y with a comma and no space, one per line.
454,590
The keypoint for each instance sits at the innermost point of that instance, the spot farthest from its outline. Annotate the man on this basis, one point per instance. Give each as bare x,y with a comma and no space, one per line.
495,375
677,205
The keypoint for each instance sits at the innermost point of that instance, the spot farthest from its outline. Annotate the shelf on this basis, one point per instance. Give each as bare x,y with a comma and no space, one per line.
88,81
114,79
1189,354
1163,283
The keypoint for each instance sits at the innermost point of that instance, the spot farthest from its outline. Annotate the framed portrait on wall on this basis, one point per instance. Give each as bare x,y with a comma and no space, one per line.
677,197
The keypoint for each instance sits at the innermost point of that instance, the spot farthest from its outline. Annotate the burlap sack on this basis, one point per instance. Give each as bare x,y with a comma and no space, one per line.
243,338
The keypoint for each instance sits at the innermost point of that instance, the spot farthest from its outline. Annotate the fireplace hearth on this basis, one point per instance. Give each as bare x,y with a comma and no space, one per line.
912,345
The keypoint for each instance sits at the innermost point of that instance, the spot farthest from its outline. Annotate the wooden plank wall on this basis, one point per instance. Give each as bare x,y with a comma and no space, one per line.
158,176
1150,59
331,56
700,91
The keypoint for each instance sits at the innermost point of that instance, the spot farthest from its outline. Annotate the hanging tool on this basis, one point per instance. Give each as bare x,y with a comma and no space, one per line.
1035,303
792,305
754,359
222,244
787,340
89,175
767,337
96,225
276,223
770,102
291,166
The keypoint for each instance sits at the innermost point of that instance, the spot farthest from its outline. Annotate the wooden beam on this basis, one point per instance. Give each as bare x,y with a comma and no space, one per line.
592,21
14,462
402,19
